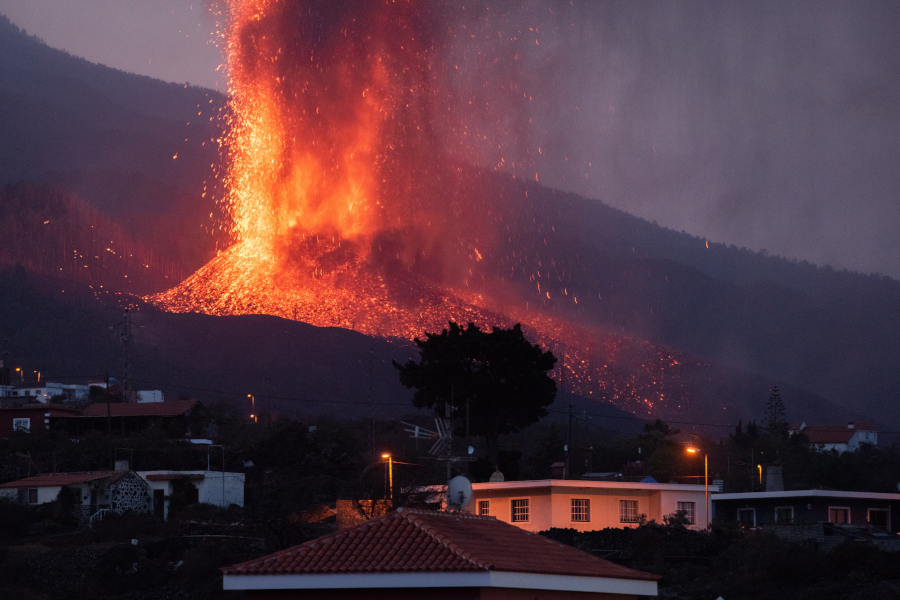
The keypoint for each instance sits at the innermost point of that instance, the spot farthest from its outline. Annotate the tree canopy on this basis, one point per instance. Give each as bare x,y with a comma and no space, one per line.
502,376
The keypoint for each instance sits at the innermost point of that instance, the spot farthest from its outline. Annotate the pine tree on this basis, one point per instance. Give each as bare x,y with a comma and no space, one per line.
776,422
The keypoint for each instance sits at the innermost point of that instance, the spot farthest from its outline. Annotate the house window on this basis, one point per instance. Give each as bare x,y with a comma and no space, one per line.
484,508
784,515
520,510
581,510
32,496
21,424
689,508
839,514
628,511
878,517
747,517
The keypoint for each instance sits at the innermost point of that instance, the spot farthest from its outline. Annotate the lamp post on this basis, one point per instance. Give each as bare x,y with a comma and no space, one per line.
252,407
693,450
390,460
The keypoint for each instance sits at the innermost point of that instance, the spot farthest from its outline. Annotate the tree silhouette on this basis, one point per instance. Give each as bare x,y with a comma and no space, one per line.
776,422
502,376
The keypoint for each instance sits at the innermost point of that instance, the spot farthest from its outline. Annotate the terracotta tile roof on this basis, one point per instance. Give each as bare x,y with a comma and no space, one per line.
829,434
409,540
54,479
146,409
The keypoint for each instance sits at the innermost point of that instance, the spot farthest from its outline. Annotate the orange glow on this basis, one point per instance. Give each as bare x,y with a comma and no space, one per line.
346,210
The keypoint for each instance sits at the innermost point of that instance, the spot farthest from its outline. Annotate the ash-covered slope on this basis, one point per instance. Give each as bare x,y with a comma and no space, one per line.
111,137
63,329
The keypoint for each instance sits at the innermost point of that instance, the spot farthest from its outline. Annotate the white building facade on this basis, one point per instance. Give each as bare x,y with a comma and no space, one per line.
210,487
588,505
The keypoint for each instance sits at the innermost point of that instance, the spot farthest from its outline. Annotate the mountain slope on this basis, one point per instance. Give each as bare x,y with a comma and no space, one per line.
111,137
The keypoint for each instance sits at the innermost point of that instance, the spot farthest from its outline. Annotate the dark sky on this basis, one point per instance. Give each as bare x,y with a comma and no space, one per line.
770,125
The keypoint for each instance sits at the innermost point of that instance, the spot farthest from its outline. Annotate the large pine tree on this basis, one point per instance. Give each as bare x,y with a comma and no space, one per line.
776,418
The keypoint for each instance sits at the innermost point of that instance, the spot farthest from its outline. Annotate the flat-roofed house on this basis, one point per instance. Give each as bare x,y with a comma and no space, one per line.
588,505
211,487
411,554
759,509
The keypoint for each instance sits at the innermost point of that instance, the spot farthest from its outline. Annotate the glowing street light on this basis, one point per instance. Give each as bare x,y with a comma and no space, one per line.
693,450
252,407
390,474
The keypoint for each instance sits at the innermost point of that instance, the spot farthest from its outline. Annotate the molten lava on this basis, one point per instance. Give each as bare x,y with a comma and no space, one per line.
349,209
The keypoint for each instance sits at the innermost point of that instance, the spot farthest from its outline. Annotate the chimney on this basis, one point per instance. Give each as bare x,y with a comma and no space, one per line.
774,481
851,425
121,465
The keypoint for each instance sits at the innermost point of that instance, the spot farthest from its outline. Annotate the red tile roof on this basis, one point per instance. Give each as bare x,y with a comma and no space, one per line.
829,434
54,479
145,409
409,540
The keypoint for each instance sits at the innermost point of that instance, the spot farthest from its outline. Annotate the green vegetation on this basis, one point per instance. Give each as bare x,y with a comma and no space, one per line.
740,565
499,379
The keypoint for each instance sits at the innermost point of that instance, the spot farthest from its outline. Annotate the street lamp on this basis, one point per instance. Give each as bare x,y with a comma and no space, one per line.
252,407
390,460
693,450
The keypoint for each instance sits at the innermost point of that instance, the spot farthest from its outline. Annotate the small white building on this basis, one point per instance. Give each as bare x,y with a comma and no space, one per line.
42,392
588,505
118,491
210,487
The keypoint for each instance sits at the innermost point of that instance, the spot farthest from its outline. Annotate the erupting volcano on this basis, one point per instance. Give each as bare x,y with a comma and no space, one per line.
351,132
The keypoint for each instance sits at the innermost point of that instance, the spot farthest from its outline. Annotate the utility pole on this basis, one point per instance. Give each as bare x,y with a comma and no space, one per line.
568,443
109,425
127,340
371,392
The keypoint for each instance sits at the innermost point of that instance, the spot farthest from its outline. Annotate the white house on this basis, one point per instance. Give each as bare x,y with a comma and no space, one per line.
42,392
842,438
588,505
210,487
118,491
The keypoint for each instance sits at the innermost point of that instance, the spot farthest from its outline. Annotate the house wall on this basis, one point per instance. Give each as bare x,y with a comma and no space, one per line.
40,419
45,494
554,508
209,489
808,509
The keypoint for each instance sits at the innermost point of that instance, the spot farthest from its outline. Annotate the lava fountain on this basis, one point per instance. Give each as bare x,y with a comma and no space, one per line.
350,202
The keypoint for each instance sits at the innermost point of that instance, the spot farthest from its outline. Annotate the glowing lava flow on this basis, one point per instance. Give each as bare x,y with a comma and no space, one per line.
345,211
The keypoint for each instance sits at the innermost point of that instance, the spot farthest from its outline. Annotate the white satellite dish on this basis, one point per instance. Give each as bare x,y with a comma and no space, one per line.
459,493
496,477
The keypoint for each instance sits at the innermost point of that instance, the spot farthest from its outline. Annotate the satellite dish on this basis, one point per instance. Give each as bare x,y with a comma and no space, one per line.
459,493
496,476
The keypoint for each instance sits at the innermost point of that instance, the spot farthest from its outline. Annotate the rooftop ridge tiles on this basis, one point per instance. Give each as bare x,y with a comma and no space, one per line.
450,545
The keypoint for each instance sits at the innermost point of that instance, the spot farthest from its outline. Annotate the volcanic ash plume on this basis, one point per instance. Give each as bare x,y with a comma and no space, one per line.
350,206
